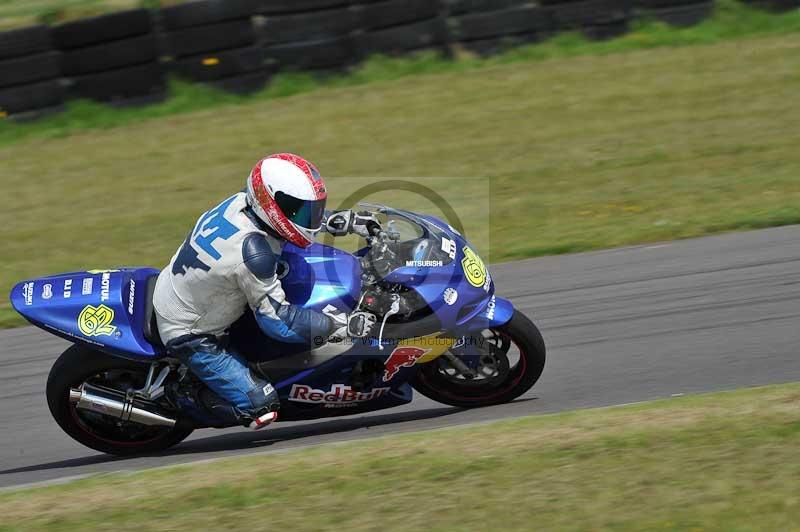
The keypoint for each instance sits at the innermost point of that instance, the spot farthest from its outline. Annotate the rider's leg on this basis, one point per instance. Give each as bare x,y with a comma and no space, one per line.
254,401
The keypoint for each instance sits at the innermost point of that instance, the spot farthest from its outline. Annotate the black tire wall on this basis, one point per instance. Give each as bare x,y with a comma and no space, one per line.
120,84
206,12
37,96
210,38
108,56
276,7
29,72
25,41
216,45
27,69
219,65
102,29
682,15
111,58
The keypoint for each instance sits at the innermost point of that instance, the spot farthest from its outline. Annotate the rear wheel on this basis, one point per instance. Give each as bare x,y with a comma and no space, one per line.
80,365
507,362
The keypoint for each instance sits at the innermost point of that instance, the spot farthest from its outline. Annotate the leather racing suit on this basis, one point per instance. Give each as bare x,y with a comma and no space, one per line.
226,263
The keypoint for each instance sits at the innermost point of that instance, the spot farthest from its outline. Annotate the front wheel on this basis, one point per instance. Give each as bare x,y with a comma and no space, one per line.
505,363
80,365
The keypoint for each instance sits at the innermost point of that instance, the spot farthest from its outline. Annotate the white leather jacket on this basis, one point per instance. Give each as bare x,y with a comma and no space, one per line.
227,263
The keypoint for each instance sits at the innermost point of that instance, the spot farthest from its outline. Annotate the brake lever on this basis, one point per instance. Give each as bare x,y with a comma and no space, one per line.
394,309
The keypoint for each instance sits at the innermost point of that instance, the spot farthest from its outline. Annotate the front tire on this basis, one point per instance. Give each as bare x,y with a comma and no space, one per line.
77,365
435,380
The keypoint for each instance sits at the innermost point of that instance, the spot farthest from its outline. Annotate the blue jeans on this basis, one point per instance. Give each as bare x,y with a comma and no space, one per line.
225,373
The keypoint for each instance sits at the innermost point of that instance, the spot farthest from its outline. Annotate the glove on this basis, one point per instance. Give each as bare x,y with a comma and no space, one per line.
355,325
363,223
338,223
359,324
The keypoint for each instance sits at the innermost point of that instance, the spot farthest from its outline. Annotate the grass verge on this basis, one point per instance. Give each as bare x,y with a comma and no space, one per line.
562,154
724,461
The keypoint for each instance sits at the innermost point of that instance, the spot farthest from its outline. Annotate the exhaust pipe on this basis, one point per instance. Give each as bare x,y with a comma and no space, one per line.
110,406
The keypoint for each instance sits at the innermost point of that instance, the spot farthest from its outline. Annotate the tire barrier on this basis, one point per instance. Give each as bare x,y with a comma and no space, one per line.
462,7
678,13
237,45
397,27
130,85
408,38
207,12
390,13
277,7
300,27
210,38
214,42
597,19
29,72
243,84
30,100
220,65
312,35
488,32
25,41
111,58
30,68
102,29
110,55
778,6
322,55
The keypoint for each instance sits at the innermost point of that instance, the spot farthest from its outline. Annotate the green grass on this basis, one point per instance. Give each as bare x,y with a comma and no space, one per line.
724,461
562,152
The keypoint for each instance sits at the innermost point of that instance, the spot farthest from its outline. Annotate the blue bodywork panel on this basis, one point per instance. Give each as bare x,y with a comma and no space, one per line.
321,275
431,281
104,309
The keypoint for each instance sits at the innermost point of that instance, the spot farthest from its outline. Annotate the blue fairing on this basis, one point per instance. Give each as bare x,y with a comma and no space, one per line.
498,311
104,309
431,282
320,275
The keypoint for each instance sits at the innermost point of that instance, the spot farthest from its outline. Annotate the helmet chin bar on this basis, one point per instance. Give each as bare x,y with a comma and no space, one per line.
287,229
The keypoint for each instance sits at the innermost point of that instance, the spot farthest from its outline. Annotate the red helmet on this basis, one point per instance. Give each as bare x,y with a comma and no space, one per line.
287,193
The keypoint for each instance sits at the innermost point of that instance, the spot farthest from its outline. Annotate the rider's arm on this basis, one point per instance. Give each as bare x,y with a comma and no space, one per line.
278,318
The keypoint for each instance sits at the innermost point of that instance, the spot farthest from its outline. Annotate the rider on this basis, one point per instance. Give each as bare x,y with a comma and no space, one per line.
228,262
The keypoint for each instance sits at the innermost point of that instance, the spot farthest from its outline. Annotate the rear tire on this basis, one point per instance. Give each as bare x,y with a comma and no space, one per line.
75,366
520,331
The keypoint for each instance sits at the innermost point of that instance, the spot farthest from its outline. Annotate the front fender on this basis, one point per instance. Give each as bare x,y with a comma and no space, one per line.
498,311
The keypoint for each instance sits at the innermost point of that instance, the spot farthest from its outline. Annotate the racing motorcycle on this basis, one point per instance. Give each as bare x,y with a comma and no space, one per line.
441,331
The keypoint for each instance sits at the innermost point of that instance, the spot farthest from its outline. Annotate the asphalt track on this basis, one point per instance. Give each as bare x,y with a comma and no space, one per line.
621,326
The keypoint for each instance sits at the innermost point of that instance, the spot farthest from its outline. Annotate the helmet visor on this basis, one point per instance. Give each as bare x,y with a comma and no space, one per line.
305,213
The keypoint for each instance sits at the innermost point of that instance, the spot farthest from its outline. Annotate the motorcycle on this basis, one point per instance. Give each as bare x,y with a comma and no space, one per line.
441,331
